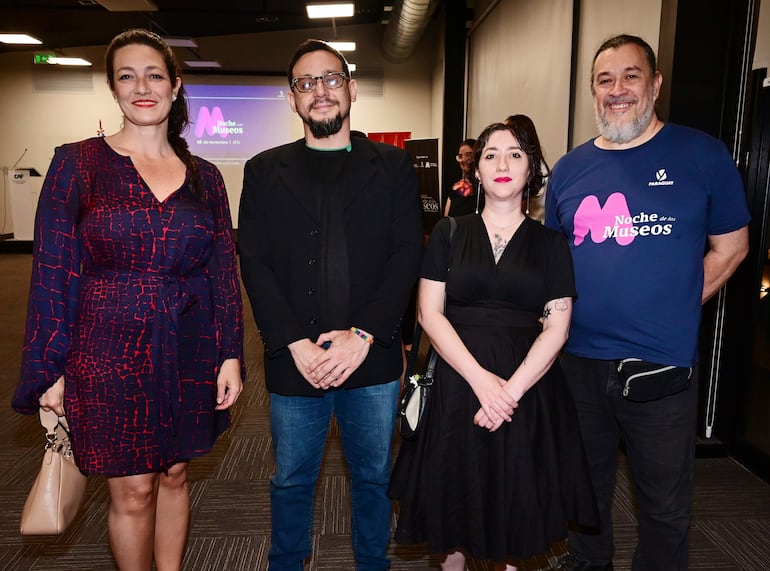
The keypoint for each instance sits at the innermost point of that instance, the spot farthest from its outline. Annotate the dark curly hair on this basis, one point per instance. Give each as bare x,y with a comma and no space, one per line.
178,118
523,125
532,149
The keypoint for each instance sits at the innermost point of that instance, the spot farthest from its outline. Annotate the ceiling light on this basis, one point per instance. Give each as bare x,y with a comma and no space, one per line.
351,67
327,10
202,63
128,5
181,42
343,46
58,60
19,39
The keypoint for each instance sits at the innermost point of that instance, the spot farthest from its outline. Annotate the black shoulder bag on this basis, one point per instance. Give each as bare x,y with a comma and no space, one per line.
418,380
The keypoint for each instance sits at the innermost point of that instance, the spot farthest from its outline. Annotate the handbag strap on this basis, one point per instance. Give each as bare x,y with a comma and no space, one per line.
412,361
51,421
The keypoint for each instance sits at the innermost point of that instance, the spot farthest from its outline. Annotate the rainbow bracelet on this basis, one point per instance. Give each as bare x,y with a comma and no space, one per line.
363,335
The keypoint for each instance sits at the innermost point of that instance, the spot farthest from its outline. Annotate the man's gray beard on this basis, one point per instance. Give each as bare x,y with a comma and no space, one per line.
626,132
327,128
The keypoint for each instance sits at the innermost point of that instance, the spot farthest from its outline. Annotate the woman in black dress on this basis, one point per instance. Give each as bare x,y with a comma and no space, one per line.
498,469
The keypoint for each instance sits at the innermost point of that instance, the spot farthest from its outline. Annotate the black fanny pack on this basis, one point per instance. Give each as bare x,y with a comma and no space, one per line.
645,381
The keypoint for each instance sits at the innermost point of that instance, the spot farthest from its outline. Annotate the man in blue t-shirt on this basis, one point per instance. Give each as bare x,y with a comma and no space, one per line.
640,205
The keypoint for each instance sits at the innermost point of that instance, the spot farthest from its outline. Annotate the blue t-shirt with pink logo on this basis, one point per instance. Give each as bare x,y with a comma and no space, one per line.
637,222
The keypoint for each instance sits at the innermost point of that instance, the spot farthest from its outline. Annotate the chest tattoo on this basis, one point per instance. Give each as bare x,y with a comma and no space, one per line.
498,246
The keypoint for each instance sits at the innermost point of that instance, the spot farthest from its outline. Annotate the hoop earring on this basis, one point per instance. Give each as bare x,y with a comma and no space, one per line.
478,196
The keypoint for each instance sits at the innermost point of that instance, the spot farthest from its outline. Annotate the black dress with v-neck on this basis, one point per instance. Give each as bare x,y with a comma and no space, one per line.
510,493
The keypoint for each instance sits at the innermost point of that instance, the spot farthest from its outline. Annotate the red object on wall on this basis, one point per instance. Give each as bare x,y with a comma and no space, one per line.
395,138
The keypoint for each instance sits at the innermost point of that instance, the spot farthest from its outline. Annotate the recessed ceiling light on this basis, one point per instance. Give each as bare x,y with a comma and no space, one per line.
181,42
328,10
351,67
19,39
58,60
343,46
128,5
202,63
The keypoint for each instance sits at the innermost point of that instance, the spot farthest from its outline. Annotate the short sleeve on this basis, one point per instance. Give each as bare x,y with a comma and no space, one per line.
435,262
727,209
561,275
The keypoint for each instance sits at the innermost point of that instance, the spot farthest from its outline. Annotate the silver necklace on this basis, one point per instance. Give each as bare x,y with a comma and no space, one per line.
503,227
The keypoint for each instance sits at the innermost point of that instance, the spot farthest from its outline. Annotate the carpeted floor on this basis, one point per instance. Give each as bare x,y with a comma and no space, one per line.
230,528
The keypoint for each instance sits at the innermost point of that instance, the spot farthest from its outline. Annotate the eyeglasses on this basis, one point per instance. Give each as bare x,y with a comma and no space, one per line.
307,83
461,156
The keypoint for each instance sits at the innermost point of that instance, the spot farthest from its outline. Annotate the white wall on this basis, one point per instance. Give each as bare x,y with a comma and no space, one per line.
521,55
39,118
599,20
519,63
762,49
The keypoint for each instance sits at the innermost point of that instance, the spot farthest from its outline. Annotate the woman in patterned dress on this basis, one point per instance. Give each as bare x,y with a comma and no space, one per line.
135,325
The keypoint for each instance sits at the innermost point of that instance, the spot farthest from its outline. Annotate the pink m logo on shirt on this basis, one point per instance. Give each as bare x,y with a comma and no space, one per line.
210,122
604,222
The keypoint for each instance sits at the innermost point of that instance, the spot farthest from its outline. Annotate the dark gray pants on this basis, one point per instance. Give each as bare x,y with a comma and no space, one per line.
660,441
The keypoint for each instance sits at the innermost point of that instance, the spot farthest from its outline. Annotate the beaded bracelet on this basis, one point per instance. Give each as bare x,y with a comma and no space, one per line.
363,335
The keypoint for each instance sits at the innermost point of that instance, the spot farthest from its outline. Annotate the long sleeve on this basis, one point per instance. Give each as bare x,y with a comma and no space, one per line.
382,313
273,313
223,272
54,287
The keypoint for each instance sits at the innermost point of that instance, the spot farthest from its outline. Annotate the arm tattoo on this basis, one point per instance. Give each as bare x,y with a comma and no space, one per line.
559,304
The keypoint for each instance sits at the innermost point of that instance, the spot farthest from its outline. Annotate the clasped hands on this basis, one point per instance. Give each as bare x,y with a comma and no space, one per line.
329,368
497,404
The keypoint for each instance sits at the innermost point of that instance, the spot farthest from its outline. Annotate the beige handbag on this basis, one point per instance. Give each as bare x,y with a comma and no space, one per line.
58,491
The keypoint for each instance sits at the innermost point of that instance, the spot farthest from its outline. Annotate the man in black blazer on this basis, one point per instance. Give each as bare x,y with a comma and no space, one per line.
330,239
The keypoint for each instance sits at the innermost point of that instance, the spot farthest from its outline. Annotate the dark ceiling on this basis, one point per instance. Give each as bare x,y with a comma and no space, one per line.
74,23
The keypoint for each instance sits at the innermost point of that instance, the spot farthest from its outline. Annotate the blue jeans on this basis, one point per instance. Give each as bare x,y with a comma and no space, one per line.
299,425
660,441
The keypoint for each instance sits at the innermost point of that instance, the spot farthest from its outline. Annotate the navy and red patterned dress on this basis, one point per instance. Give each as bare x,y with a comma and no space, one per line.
137,303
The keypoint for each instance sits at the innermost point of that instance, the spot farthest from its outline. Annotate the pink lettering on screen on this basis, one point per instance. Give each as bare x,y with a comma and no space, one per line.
210,121
592,217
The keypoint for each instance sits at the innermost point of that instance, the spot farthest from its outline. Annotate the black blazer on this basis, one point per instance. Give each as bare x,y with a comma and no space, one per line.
279,244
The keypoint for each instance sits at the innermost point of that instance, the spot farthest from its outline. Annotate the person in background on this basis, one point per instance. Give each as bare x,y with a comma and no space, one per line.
462,198
533,196
497,469
330,241
639,205
135,325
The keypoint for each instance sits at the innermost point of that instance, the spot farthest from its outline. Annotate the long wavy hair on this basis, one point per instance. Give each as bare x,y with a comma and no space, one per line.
178,119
